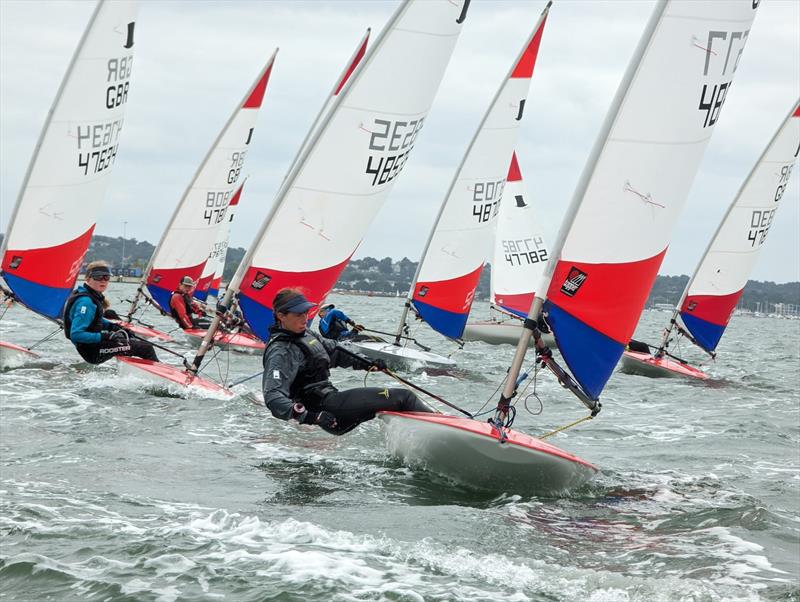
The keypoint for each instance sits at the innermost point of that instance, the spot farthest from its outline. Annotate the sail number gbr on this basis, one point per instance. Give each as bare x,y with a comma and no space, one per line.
392,136
486,199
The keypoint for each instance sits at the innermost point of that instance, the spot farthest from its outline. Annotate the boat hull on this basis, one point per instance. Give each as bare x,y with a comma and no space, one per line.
644,364
14,356
165,375
396,356
146,332
470,452
237,341
499,333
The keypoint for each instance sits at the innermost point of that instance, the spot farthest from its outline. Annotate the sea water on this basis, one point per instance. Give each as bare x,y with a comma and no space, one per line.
113,490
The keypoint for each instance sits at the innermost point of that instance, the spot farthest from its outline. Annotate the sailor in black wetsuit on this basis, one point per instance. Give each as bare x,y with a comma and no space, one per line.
296,380
96,339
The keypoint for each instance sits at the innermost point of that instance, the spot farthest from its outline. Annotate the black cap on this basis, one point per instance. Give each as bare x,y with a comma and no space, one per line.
296,304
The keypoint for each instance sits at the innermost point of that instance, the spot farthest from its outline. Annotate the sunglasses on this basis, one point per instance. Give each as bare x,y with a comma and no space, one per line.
103,278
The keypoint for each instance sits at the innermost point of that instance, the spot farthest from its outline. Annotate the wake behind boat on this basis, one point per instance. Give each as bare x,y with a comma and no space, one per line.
160,374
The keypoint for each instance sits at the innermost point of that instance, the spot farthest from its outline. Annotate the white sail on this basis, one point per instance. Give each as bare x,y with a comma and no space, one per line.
187,241
618,227
520,251
348,168
451,264
66,182
718,282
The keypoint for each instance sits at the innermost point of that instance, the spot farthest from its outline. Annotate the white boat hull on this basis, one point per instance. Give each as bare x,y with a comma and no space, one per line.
470,452
399,357
499,333
14,356
644,364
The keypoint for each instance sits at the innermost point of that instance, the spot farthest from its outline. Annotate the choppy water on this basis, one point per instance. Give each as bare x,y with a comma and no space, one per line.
112,492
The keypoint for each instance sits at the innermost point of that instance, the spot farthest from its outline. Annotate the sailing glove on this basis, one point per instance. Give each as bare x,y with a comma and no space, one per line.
378,366
118,336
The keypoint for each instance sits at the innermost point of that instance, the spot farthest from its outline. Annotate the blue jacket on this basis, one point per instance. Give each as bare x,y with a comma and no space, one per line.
82,314
334,325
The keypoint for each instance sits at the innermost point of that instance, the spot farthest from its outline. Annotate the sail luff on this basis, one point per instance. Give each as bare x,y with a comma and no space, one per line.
154,256
233,286
537,30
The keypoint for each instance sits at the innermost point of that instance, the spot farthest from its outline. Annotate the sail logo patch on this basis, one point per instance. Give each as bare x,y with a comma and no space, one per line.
423,291
691,306
260,281
574,281
157,279
15,261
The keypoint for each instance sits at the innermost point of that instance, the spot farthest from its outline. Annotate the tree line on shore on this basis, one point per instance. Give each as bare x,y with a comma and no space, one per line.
388,276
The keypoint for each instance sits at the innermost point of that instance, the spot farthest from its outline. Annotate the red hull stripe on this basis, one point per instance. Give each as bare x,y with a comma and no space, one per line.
519,304
454,295
172,374
485,429
260,285
257,95
667,364
353,65
609,296
716,309
514,174
527,61
56,267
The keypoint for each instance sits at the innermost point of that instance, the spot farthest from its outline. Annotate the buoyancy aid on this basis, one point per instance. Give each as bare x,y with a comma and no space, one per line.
187,301
98,300
312,378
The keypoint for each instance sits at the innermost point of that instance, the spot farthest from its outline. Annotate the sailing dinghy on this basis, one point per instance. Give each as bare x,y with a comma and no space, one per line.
520,254
711,295
62,192
593,290
187,241
444,285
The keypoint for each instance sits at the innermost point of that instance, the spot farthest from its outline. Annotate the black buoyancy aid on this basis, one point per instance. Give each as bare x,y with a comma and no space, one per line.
316,367
98,300
187,301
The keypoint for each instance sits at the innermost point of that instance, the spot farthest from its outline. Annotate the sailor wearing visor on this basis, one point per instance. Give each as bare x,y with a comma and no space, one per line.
96,339
296,380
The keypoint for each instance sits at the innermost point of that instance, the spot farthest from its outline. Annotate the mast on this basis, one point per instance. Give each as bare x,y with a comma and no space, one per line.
529,326
453,182
45,127
675,312
233,286
140,289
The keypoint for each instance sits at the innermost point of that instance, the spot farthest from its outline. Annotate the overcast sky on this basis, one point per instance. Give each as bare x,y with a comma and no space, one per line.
194,61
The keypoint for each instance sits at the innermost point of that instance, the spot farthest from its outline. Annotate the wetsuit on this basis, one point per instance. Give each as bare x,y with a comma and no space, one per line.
182,306
90,332
334,325
297,370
